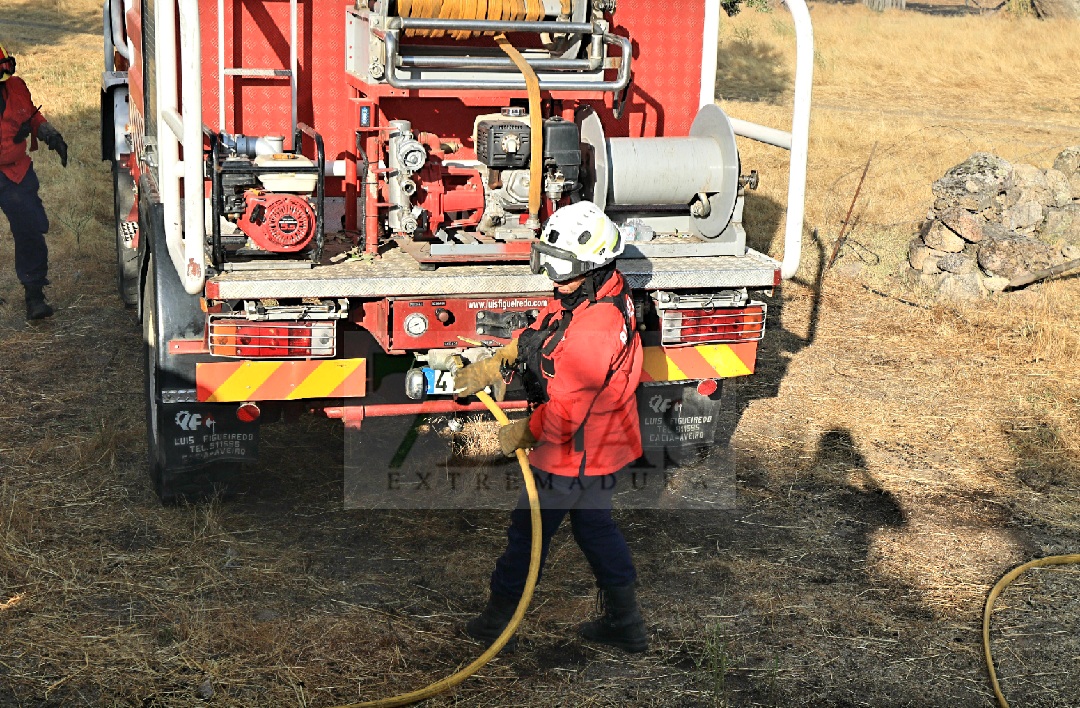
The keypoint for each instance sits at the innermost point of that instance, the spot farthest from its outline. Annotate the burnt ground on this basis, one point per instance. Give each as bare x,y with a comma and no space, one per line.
892,459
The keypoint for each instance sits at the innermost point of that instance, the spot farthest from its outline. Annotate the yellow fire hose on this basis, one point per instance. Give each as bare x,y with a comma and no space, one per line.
526,597
508,9
536,126
994,592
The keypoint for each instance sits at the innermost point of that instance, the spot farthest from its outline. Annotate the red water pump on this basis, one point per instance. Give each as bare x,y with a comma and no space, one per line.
279,223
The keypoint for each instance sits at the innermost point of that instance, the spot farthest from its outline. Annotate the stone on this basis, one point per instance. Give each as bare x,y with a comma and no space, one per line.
918,278
963,223
1057,9
962,286
943,239
957,263
1063,223
1024,215
923,258
995,283
1011,257
973,183
930,281
1028,177
1060,188
1068,163
205,691
1068,160
993,231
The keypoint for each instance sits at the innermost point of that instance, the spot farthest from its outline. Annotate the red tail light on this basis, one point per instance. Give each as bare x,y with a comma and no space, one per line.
291,340
712,326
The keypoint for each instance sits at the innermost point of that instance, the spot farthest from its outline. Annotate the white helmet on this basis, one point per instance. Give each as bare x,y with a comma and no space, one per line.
576,239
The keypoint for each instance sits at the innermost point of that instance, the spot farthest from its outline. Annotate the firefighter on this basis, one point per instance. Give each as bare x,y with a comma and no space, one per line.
580,363
19,200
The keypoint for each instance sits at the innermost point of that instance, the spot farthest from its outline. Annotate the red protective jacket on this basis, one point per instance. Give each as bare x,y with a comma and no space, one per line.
589,424
18,107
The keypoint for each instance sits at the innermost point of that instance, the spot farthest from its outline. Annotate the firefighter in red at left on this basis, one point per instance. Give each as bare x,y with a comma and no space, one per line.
19,200
580,364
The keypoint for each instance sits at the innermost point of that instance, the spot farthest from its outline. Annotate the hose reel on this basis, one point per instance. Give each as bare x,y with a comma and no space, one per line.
698,173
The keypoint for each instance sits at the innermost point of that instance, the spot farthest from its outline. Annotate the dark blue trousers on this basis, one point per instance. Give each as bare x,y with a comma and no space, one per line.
26,214
587,500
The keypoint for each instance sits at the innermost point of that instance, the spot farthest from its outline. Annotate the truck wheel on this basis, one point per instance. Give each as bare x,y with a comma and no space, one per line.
127,256
172,485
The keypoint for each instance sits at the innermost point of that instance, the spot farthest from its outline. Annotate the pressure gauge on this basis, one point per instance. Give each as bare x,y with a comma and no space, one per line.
415,324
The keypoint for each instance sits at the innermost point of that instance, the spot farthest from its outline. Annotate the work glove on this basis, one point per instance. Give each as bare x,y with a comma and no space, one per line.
515,436
487,372
51,137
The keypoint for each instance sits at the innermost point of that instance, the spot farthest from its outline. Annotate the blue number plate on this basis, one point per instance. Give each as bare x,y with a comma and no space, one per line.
438,383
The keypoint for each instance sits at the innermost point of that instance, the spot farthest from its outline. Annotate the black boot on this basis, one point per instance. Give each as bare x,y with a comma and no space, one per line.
36,307
620,623
489,624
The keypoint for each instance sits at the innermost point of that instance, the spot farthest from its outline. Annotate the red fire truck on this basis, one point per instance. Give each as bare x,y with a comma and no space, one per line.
326,206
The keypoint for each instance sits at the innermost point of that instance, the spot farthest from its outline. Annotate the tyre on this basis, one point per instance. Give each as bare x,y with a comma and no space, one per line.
172,482
127,256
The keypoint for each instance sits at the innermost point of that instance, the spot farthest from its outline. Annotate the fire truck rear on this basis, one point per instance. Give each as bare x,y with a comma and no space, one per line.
326,207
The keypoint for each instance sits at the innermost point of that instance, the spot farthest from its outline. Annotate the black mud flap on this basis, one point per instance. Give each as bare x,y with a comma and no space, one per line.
196,434
676,417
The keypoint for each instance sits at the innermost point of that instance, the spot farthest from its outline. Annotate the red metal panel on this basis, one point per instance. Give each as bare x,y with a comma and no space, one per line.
461,316
662,99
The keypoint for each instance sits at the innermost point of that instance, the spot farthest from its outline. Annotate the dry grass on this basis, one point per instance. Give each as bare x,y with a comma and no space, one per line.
927,91
890,467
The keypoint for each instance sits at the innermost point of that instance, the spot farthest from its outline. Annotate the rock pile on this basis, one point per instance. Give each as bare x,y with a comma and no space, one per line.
993,221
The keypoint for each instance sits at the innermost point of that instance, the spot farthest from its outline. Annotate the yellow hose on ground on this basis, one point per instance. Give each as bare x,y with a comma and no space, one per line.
994,592
446,684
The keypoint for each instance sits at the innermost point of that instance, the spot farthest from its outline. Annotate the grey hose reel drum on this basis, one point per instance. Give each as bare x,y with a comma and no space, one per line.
699,172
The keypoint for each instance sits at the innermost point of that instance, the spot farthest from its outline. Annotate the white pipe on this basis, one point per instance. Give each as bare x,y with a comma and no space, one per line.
293,66
117,25
168,149
709,48
221,64
185,236
175,122
106,21
800,136
761,133
194,272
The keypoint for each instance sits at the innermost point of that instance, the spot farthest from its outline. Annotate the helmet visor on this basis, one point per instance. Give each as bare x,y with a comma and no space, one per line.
555,263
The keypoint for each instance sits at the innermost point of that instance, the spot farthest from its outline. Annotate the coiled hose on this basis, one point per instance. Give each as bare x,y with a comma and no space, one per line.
994,592
509,10
449,682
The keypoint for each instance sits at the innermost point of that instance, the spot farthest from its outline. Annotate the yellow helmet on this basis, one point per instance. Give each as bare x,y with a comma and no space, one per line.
7,64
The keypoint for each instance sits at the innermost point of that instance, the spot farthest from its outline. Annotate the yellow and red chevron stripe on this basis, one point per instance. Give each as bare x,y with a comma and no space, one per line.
704,361
236,381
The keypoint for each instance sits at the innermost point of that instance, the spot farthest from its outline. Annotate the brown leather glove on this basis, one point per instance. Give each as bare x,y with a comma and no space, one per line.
486,372
515,436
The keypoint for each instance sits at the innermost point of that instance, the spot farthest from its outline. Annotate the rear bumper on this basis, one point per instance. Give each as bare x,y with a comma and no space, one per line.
237,381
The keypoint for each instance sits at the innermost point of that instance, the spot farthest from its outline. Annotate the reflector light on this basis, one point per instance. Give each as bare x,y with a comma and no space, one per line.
707,387
248,412
279,340
712,326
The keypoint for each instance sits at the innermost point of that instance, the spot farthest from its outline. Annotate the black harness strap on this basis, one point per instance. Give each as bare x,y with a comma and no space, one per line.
537,345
